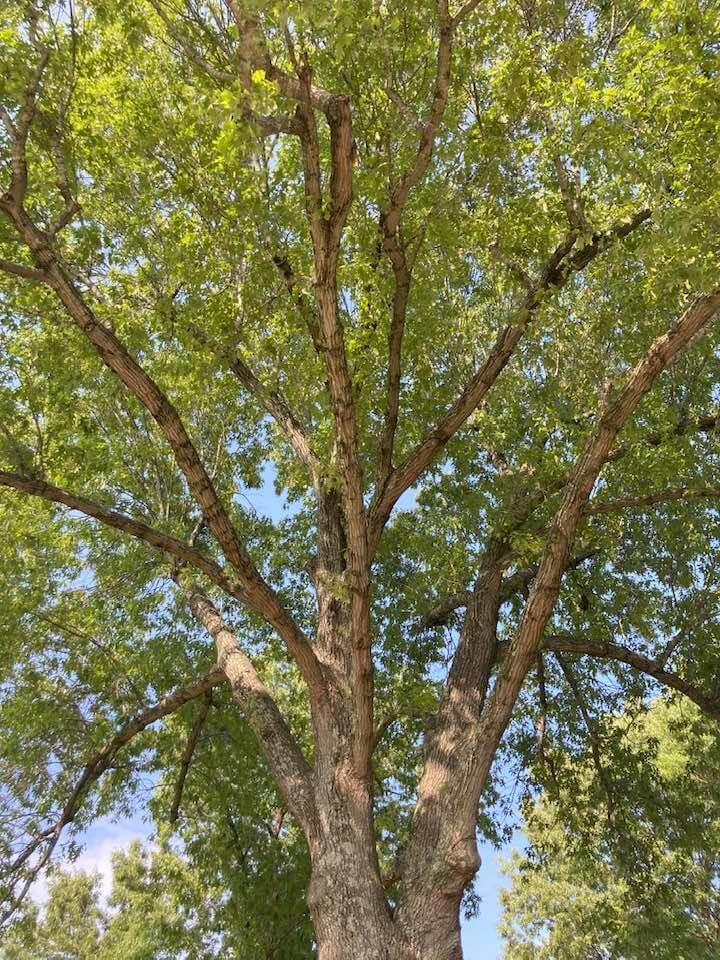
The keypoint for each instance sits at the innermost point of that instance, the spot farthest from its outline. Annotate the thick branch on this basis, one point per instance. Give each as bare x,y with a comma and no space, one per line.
544,592
284,756
464,745
18,132
260,596
20,270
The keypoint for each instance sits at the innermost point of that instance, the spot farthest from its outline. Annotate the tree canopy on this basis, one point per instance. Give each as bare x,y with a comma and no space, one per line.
641,881
445,277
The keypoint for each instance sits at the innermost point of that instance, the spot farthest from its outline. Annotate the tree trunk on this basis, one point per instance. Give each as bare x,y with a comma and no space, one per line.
350,922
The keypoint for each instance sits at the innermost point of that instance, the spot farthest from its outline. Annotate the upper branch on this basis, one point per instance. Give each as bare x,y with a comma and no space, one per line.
116,356
271,400
187,756
544,592
414,174
18,132
392,243
651,499
561,266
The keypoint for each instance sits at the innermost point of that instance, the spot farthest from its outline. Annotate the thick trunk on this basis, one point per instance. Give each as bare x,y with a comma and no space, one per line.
351,921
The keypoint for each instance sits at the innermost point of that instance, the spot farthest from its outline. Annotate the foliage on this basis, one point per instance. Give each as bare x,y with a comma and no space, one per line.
580,132
643,882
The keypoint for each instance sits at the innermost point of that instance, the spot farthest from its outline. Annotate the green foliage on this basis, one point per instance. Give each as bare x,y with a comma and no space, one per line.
640,882
187,216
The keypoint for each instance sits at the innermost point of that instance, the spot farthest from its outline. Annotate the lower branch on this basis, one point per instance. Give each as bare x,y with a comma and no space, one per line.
285,758
18,873
606,650
188,755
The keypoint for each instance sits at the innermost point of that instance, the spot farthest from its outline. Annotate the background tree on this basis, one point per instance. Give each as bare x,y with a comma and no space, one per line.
156,910
446,276
642,881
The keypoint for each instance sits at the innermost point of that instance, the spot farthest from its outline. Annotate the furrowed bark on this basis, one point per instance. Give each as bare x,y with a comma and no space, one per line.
444,821
443,853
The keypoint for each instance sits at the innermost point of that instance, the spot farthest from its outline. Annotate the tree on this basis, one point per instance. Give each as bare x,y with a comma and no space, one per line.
446,276
70,929
644,881
156,911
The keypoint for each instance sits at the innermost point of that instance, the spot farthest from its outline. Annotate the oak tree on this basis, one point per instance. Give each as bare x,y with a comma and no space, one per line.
444,274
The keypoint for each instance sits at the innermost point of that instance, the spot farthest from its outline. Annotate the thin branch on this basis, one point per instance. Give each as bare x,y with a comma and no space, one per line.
542,722
517,582
188,755
706,423
273,403
651,499
98,763
571,196
606,650
591,730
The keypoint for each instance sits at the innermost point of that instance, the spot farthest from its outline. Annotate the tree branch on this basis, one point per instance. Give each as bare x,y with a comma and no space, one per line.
20,270
543,594
284,756
115,355
465,743
272,402
188,755
651,499
18,133
135,528
606,650
558,271
99,762
510,586
591,730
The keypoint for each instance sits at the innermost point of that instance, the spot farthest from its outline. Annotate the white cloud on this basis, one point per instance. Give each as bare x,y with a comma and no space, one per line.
99,843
